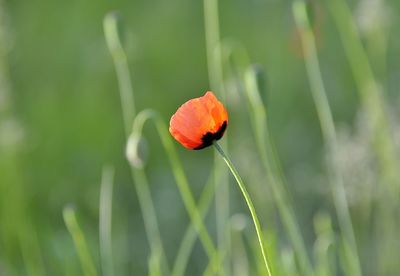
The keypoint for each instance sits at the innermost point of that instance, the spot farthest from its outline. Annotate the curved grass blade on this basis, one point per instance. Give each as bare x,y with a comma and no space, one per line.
81,247
373,101
181,181
329,134
190,235
247,75
112,35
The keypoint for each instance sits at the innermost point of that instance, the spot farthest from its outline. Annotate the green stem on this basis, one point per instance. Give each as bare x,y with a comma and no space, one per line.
16,221
254,91
154,264
275,176
150,218
190,235
324,246
213,45
215,75
240,261
329,134
105,221
374,103
111,32
182,183
30,249
82,249
249,204
370,94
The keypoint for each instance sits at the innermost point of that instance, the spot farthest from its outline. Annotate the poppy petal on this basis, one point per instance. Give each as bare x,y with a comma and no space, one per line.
198,122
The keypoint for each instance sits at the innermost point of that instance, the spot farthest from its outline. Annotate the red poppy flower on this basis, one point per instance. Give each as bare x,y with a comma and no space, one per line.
199,122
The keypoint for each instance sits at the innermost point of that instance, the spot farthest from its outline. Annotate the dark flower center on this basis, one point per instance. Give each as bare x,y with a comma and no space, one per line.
209,137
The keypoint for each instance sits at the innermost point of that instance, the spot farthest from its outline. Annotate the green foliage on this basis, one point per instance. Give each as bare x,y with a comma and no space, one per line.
67,108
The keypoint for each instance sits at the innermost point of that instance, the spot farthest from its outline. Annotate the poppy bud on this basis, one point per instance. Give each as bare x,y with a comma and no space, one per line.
199,122
136,150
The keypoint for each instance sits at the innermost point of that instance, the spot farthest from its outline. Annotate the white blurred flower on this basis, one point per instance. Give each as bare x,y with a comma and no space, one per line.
239,222
372,15
11,133
358,160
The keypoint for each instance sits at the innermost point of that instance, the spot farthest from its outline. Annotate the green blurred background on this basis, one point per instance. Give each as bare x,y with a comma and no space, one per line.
61,120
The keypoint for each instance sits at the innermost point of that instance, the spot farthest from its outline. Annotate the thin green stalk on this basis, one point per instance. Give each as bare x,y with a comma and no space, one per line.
324,250
238,62
181,181
240,260
105,221
17,234
111,32
149,218
112,35
369,92
249,204
288,262
213,48
329,134
30,249
215,75
275,176
154,264
190,235
81,247
383,142
209,270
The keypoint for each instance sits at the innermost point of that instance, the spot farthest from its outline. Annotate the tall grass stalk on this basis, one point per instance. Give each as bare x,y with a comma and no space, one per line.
374,104
190,236
150,219
370,93
240,262
288,262
112,35
213,47
329,134
154,264
269,159
215,75
81,247
30,248
17,232
181,181
105,223
249,204
275,176
324,246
